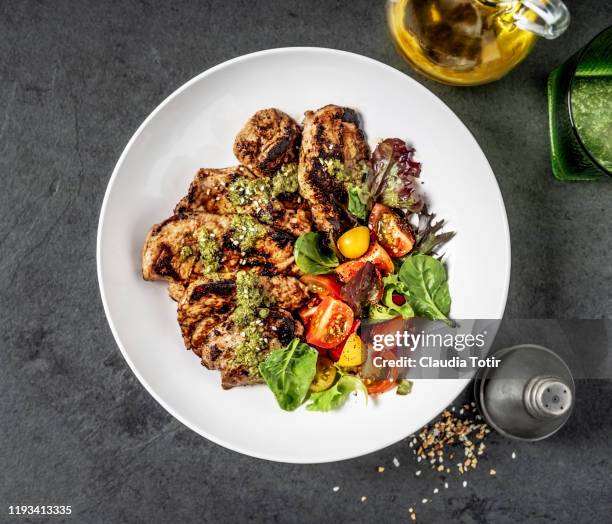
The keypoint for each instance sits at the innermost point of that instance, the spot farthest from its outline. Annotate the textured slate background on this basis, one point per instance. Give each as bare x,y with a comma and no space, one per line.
76,79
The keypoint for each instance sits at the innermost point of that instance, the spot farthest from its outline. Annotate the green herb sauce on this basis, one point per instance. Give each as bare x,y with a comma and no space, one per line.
186,252
247,353
285,180
243,191
251,302
335,168
246,191
210,253
246,231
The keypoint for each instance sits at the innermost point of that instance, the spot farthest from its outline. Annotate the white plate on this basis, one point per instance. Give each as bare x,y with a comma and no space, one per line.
195,127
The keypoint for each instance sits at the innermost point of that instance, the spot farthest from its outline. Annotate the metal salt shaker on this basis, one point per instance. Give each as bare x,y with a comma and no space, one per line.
529,396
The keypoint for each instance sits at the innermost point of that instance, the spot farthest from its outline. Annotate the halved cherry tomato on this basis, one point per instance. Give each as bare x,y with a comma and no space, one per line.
306,313
330,324
325,375
334,353
355,242
322,285
393,233
353,353
387,381
376,254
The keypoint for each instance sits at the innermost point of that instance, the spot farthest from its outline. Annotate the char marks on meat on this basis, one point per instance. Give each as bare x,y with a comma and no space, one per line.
209,301
210,192
218,349
268,140
332,136
163,256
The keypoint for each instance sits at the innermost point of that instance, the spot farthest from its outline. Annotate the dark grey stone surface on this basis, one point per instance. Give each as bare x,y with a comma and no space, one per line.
76,79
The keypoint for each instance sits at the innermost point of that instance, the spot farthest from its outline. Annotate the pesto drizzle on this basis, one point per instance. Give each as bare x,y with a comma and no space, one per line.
251,307
246,231
210,253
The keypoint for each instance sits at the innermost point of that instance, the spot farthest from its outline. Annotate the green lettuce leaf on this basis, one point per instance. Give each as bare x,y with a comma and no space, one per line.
358,202
336,396
312,256
389,309
426,280
289,372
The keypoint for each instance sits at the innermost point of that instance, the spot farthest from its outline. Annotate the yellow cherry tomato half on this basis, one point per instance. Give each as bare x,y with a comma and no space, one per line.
354,242
325,375
353,353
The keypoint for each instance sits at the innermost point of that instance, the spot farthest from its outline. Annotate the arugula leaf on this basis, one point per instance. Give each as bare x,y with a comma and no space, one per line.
289,372
358,200
336,396
312,256
426,280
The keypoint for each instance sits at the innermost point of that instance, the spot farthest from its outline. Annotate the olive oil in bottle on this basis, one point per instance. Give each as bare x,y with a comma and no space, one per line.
469,42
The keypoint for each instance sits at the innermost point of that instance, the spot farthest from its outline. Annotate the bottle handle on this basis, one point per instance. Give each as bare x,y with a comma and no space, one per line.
546,18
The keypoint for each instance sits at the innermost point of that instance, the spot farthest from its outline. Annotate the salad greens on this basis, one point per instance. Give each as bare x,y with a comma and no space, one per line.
289,372
389,309
427,238
358,202
313,256
416,286
391,181
336,396
425,278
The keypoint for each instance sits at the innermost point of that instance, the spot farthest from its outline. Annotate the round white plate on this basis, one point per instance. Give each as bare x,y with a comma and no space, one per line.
195,127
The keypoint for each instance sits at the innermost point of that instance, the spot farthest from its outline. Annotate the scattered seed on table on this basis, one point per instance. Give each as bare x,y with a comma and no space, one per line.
396,462
336,488
464,483
380,469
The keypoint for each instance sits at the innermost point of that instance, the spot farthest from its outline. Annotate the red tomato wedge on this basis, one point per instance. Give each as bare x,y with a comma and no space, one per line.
322,285
375,254
393,233
330,324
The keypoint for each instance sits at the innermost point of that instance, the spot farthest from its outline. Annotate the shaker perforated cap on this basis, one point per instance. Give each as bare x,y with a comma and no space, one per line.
547,396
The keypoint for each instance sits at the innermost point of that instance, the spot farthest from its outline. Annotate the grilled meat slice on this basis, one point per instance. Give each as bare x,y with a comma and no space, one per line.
269,139
207,302
334,155
221,348
176,290
236,190
172,249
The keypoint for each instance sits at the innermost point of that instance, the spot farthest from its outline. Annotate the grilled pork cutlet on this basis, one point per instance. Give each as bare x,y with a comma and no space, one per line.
237,190
268,140
209,301
333,157
181,249
221,348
